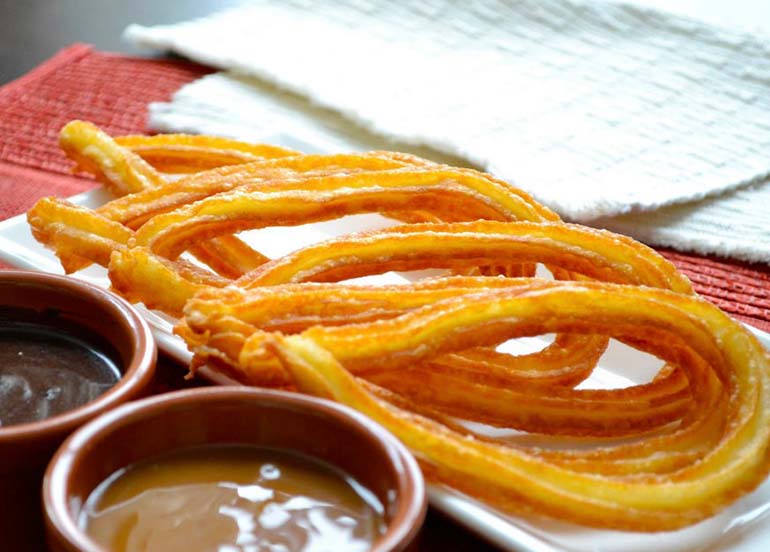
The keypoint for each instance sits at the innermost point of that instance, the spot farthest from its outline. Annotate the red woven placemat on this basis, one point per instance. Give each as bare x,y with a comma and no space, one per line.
113,92
78,83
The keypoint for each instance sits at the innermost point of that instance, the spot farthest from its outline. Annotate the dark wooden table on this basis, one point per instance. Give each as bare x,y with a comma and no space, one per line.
31,31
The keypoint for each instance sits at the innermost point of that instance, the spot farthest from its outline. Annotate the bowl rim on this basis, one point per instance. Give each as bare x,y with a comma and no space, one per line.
410,485
137,375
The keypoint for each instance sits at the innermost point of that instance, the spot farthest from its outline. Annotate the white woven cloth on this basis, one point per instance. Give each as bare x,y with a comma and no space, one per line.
600,110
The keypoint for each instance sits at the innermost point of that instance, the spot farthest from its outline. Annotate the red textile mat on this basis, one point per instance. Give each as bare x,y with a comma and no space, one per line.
113,91
738,288
110,90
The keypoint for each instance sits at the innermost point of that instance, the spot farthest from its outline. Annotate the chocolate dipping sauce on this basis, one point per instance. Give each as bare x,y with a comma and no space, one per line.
232,498
49,366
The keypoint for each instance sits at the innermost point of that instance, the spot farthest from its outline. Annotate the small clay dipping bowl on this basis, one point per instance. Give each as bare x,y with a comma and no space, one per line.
26,448
236,415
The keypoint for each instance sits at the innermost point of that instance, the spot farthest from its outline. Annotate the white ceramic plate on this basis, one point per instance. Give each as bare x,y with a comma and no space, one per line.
744,526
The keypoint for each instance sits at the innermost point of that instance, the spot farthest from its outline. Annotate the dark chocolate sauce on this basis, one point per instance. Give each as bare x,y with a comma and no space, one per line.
49,365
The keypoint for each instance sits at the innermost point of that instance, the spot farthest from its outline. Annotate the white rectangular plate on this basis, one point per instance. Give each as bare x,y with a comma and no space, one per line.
744,526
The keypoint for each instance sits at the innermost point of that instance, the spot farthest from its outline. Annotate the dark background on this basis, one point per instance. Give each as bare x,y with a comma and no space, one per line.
31,31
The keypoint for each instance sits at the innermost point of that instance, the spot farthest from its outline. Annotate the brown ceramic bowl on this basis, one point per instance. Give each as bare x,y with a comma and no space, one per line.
26,448
232,415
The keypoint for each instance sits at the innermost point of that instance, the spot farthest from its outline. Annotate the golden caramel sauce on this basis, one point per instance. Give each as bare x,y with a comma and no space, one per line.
48,368
232,498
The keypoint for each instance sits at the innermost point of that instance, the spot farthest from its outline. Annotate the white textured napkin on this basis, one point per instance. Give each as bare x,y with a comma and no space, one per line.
597,109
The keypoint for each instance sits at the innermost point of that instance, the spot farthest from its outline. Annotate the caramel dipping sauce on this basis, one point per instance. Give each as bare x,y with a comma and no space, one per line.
48,366
232,498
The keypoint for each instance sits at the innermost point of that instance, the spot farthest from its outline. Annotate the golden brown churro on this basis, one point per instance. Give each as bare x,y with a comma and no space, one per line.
422,357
